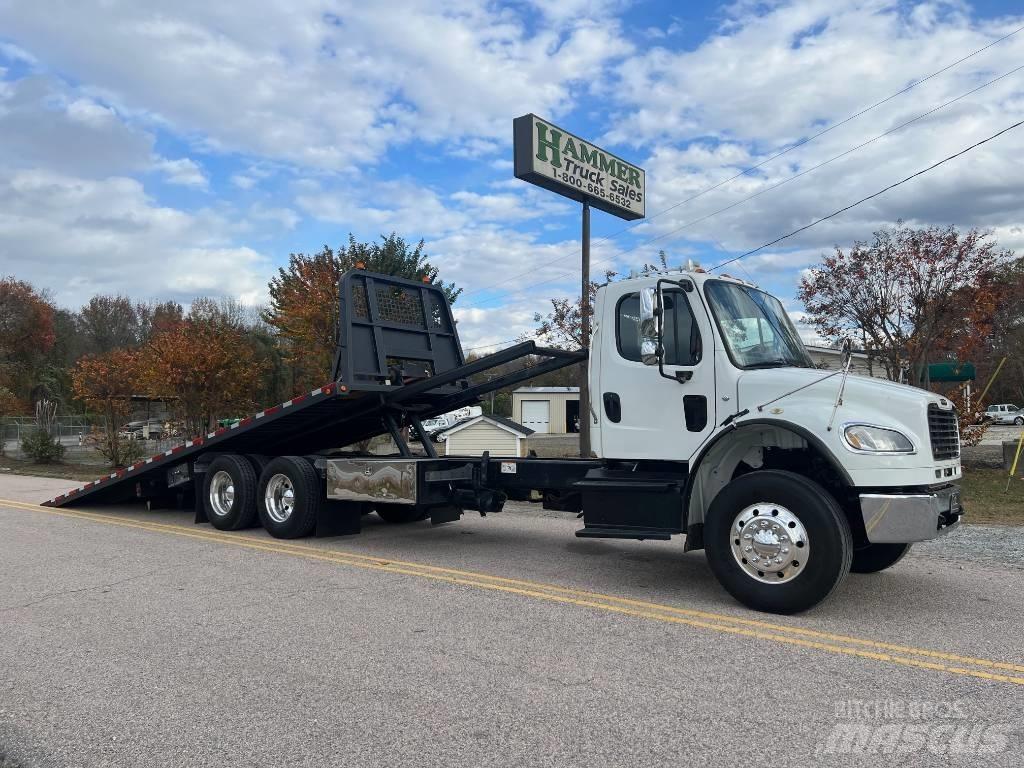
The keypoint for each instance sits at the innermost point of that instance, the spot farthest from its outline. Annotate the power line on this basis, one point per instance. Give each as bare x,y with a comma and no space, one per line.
869,197
487,346
819,165
618,254
842,210
769,159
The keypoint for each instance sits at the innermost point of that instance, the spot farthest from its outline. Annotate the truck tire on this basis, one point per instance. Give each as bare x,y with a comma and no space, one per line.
399,514
290,496
873,558
777,541
229,493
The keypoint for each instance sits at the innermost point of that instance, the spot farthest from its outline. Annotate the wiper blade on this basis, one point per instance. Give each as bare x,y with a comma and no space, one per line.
773,364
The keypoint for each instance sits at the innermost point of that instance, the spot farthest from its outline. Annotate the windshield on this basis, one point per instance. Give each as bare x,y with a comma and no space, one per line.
757,331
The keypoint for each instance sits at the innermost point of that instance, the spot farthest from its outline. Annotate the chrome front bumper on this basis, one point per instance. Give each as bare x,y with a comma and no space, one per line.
902,518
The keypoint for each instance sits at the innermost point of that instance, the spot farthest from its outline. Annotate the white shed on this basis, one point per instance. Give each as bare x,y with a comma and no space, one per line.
494,434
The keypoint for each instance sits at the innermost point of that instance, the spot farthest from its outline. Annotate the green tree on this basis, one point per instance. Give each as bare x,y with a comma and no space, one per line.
304,299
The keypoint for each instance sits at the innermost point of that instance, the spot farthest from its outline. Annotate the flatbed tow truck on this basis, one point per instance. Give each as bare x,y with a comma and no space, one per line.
708,420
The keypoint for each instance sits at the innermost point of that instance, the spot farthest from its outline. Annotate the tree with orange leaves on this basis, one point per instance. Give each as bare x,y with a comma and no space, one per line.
911,297
105,383
304,297
204,366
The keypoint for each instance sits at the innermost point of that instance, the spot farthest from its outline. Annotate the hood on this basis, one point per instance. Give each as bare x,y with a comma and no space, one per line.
758,387
807,396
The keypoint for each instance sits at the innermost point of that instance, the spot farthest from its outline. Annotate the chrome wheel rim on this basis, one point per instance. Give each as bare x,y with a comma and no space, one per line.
279,498
770,543
222,493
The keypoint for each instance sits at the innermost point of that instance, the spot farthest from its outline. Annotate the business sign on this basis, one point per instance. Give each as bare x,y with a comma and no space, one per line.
557,160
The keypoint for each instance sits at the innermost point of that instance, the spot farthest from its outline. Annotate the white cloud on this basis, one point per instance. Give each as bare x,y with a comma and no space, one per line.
370,209
44,124
242,181
779,72
184,172
284,218
79,236
325,88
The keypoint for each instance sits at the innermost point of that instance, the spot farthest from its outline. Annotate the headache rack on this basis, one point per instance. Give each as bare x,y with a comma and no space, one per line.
398,361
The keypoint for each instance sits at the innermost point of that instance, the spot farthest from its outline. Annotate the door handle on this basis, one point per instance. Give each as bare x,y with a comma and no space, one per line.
612,406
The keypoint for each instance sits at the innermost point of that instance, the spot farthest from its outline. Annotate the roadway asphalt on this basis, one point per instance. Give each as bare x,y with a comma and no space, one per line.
134,638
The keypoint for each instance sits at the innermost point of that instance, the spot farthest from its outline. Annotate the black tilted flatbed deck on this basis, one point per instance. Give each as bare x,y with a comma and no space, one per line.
398,361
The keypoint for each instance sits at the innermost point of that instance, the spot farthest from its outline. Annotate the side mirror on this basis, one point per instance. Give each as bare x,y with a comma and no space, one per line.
648,328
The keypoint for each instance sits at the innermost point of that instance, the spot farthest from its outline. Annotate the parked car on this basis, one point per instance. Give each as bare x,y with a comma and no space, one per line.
138,430
1004,413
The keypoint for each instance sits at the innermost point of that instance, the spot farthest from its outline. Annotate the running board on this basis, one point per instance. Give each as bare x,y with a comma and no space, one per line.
593,532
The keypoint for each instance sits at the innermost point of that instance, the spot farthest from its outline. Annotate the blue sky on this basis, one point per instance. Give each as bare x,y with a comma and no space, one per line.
174,151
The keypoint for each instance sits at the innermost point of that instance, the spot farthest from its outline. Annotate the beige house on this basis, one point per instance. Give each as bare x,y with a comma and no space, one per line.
547,410
494,434
832,358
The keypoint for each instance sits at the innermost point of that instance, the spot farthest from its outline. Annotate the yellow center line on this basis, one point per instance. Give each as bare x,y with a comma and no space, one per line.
761,630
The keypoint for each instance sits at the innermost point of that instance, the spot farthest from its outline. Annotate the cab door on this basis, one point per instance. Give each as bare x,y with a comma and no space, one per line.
644,414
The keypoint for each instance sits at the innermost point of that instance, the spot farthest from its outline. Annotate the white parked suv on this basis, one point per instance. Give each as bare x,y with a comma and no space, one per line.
1005,413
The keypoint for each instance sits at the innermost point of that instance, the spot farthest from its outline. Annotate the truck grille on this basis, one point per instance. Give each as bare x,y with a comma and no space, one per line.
944,432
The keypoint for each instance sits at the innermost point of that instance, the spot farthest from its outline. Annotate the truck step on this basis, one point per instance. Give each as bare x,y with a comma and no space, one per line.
616,532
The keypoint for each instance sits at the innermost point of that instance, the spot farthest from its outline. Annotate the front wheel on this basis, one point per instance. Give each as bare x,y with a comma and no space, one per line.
777,541
872,558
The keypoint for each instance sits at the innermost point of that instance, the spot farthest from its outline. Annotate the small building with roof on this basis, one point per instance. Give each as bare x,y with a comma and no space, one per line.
494,434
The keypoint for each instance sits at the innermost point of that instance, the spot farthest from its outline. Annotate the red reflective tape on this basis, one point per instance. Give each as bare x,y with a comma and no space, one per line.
269,411
299,399
245,422
221,431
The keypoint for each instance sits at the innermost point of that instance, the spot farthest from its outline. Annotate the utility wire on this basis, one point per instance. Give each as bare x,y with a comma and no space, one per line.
869,197
842,210
618,254
769,159
816,167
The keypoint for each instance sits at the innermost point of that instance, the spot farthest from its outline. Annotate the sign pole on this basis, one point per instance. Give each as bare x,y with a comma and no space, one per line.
585,334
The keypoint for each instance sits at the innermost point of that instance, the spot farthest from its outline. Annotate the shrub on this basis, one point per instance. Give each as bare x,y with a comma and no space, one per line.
41,447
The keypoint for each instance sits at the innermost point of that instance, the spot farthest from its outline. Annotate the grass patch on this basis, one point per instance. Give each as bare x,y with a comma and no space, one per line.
987,501
70,471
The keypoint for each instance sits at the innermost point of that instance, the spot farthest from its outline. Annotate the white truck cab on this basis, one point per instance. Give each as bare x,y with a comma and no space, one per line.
794,474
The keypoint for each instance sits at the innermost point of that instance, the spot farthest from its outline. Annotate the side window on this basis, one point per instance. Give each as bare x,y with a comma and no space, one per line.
682,337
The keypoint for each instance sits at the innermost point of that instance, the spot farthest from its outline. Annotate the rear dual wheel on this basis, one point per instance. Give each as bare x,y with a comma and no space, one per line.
289,497
229,493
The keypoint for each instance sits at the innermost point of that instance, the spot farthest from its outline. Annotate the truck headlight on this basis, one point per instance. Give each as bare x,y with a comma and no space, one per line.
864,437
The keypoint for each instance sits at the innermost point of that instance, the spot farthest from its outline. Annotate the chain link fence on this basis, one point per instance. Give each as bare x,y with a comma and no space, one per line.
71,431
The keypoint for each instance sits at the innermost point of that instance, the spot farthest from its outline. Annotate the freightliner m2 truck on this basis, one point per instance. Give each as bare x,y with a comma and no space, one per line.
709,420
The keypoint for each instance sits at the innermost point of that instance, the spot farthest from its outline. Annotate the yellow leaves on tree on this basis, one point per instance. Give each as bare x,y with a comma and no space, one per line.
304,297
304,312
204,366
